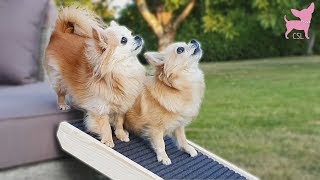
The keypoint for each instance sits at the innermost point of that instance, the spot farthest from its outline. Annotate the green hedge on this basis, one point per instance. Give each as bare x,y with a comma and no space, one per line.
253,40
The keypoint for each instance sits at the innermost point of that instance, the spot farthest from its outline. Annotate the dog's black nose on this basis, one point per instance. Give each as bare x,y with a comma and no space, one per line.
195,42
196,45
138,38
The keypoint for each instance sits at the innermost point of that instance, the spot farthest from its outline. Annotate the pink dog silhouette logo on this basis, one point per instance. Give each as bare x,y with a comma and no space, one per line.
305,16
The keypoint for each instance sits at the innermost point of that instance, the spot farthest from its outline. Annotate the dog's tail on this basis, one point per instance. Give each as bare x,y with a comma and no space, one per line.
75,20
285,18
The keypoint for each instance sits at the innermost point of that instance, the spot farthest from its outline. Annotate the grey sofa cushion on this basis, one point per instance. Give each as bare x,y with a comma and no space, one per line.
29,100
20,34
28,124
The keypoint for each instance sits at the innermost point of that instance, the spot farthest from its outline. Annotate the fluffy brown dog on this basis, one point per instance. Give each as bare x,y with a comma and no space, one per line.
97,67
171,99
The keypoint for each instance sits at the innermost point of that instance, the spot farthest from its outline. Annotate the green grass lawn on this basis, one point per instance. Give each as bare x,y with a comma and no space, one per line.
263,115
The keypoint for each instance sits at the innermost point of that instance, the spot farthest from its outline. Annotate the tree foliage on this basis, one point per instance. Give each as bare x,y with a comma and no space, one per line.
101,7
270,13
252,39
221,16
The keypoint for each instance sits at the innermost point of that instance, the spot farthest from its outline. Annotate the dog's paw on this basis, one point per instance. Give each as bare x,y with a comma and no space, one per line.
64,107
122,135
108,142
190,150
164,159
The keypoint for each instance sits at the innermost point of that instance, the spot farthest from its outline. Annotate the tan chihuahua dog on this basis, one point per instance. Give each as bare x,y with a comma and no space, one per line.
171,99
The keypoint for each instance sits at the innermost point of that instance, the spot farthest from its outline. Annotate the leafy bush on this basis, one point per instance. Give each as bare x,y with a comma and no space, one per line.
253,40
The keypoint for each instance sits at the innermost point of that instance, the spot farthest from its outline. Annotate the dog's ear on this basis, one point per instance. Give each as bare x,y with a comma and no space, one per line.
311,7
114,23
295,12
154,58
70,28
98,36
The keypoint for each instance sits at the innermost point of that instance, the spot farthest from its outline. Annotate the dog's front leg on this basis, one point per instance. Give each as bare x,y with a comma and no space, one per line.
106,133
159,146
182,142
100,125
121,134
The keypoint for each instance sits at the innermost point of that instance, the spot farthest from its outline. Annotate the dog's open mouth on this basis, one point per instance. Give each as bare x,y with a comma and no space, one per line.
137,47
195,44
196,51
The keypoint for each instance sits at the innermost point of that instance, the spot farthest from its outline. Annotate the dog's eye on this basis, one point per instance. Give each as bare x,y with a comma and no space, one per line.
124,40
180,50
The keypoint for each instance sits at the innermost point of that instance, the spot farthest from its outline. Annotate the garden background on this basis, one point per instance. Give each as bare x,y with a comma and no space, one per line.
262,107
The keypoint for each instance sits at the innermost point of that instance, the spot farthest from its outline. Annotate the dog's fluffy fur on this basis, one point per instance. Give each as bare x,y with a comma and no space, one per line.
94,65
170,99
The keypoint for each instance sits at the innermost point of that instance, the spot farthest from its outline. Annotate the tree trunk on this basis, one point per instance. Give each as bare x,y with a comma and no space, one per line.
166,39
311,43
162,24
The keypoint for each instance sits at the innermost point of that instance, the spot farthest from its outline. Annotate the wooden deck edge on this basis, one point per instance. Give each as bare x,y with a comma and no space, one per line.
104,159
224,162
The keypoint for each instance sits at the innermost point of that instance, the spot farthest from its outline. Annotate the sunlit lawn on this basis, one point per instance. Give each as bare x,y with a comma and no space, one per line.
263,116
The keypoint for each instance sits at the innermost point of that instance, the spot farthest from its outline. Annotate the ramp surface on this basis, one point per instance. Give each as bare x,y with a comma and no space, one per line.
183,166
